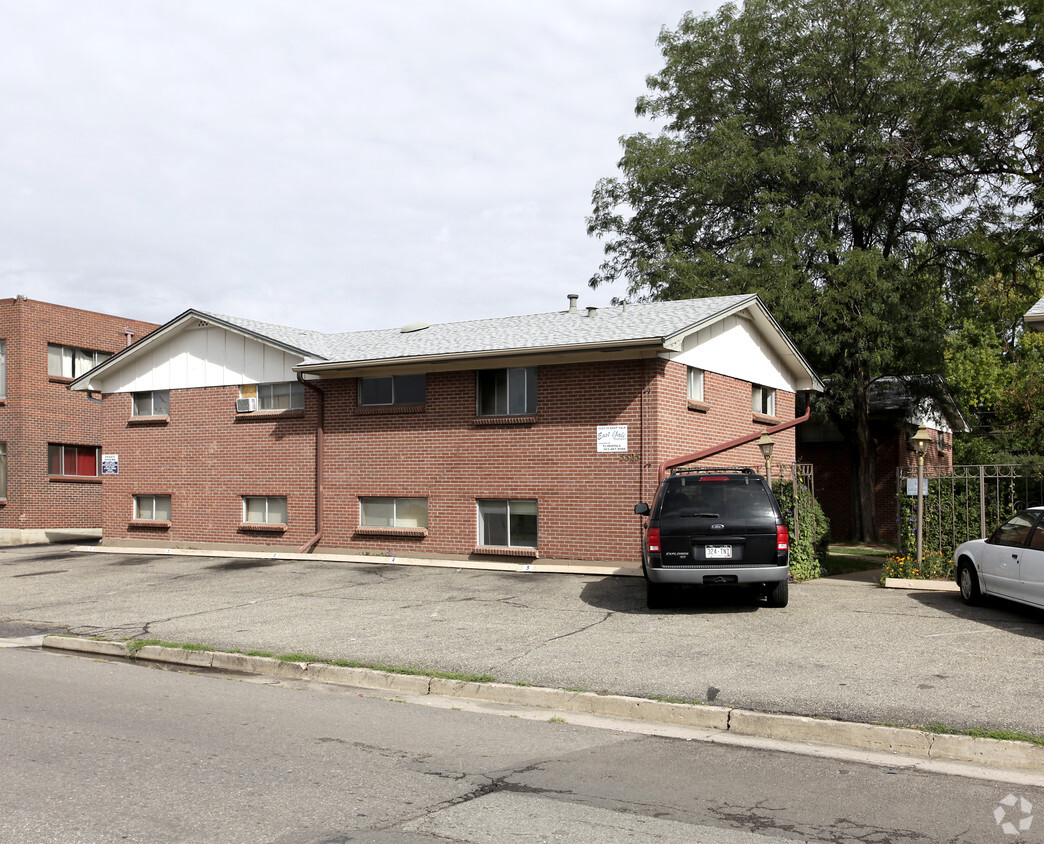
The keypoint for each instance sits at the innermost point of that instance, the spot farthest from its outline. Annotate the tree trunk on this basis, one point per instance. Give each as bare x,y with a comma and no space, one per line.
862,455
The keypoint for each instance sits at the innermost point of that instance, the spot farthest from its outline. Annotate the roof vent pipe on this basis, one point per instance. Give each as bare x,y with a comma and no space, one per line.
572,297
591,310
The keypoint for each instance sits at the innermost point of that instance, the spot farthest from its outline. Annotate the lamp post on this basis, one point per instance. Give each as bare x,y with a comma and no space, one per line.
766,444
920,442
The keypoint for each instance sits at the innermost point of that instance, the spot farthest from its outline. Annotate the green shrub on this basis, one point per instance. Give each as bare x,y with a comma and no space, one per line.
809,551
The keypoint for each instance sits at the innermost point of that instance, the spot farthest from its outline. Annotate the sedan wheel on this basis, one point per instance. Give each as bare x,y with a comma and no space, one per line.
969,584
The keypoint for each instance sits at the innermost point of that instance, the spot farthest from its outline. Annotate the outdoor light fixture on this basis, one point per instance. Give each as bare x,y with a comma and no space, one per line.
766,444
921,440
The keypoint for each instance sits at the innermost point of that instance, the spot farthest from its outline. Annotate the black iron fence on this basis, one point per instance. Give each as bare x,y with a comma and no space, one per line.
963,502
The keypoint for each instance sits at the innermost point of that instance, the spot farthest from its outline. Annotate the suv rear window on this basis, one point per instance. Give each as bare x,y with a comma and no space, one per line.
742,501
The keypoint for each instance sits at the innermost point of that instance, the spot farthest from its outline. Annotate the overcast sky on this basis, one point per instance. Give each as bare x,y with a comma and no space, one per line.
329,164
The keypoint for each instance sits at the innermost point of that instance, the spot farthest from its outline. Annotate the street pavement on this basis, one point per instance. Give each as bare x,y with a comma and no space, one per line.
842,649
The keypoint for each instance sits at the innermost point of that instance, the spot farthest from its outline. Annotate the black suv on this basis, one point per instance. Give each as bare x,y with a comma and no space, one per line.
713,527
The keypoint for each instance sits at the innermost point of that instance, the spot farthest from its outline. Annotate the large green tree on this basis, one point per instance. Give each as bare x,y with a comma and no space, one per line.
805,150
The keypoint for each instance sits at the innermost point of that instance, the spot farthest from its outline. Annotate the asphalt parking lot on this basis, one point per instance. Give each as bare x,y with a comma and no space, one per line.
843,648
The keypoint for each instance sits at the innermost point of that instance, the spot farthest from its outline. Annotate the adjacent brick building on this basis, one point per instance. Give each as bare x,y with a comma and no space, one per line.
50,437
522,438
895,416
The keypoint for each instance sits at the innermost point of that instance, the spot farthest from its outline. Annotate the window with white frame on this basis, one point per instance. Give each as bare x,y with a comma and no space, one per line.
151,403
507,392
510,523
264,510
393,512
3,470
70,362
73,461
3,369
763,400
695,384
281,395
152,508
392,389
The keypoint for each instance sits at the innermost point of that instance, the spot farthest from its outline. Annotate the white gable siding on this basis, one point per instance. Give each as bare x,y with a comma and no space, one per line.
202,357
734,347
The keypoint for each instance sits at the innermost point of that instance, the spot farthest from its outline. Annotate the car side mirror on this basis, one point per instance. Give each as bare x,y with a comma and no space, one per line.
641,509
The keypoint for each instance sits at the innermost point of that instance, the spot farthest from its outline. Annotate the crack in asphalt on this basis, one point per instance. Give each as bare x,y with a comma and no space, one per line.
586,627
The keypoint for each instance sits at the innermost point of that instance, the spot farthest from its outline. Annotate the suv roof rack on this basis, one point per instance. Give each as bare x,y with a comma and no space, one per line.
682,470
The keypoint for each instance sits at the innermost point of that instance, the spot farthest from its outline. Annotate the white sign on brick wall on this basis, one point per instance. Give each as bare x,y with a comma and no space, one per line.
612,438
110,464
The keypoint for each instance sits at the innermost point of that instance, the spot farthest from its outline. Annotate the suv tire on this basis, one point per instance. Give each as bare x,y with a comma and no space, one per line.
779,595
656,595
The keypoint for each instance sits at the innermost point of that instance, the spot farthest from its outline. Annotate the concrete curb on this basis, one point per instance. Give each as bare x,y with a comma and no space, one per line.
478,565
994,753
924,585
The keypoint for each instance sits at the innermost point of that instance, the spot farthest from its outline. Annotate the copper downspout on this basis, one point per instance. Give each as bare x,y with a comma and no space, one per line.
311,543
667,465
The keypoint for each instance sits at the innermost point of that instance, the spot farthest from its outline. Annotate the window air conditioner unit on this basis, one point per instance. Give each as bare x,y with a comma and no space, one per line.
246,405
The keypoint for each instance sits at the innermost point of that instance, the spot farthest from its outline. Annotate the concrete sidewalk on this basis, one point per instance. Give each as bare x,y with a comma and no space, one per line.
843,649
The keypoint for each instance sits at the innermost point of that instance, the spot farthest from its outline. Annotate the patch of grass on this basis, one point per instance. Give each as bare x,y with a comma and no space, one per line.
862,550
556,720
844,564
135,645
292,657
978,732
684,700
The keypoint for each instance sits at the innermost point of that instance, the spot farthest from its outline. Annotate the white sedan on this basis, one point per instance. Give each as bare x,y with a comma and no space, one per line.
1010,564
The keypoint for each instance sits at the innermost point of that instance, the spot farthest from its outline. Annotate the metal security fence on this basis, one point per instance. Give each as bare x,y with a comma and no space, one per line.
963,502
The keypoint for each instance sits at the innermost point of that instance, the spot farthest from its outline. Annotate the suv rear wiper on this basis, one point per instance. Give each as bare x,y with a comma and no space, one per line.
705,515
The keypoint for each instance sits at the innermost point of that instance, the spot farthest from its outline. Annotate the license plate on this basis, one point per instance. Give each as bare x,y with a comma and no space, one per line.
718,552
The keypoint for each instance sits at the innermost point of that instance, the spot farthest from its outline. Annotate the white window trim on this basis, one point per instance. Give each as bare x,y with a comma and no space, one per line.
394,499
525,411
694,384
136,513
508,501
394,397
267,499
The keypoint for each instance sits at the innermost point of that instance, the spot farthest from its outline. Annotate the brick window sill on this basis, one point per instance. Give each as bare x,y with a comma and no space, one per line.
698,406
505,420
54,379
269,415
760,419
391,531
146,421
261,527
73,479
493,551
151,524
389,409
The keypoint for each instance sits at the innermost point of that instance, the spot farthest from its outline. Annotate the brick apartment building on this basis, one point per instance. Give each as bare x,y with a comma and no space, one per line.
895,417
523,437
50,437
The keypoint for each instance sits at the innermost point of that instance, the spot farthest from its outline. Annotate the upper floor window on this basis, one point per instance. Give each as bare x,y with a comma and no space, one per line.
763,400
80,461
507,392
70,362
282,395
152,403
695,384
3,369
393,389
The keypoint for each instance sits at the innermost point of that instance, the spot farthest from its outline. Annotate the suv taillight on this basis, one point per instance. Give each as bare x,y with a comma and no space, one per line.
782,538
653,540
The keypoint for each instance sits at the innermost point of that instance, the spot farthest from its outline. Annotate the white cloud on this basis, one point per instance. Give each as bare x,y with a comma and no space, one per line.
328,164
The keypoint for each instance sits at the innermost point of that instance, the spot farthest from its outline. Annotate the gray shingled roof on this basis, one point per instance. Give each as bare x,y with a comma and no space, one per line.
1037,310
656,320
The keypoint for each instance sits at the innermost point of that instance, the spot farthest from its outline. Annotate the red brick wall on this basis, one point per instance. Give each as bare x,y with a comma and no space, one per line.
833,476
206,460
39,410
